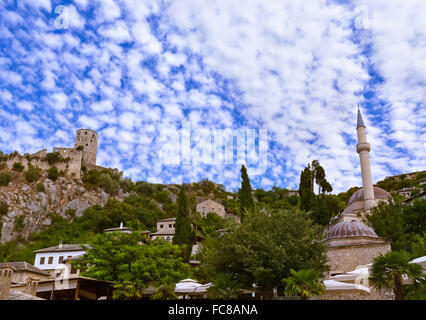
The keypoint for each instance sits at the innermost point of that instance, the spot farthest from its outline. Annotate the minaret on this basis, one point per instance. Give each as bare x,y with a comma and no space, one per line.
363,149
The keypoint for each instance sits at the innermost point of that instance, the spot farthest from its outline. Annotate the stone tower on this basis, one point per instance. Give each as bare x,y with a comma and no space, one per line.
88,139
363,149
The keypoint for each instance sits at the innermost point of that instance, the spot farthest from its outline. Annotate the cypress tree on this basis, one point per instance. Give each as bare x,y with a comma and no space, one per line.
184,235
306,192
246,198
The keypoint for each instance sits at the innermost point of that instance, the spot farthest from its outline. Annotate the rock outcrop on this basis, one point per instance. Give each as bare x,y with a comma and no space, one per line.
35,207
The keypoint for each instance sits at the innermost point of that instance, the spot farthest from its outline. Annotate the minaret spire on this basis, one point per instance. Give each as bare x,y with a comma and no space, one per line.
363,149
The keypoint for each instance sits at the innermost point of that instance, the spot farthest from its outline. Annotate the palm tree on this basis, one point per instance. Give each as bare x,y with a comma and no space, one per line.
303,283
225,287
165,291
388,271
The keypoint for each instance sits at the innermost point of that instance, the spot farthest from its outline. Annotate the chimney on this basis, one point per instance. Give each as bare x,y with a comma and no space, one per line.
60,245
5,282
31,286
121,225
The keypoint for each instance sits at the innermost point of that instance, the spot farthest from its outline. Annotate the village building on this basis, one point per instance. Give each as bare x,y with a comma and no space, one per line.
121,229
52,259
206,206
10,291
165,229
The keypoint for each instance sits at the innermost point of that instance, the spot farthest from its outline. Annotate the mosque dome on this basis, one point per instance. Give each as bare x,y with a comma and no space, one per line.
379,194
350,229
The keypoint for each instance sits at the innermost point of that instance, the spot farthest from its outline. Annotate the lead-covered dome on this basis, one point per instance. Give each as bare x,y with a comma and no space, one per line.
379,194
350,229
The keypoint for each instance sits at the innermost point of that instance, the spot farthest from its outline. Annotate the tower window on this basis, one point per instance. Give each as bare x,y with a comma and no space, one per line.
87,144
86,132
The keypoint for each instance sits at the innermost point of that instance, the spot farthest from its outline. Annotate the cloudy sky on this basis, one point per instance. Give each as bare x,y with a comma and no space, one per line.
169,85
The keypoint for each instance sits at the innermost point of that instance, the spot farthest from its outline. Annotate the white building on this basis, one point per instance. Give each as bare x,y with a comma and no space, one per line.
51,259
165,229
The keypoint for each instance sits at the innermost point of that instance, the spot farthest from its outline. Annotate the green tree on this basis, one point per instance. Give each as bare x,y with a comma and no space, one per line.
399,223
303,283
264,247
224,287
131,265
306,192
184,234
388,271
165,291
53,173
244,194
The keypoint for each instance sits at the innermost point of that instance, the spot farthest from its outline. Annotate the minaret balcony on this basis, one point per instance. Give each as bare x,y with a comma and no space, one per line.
362,146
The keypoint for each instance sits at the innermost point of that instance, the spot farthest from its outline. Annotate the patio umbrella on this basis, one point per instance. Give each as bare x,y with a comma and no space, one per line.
333,286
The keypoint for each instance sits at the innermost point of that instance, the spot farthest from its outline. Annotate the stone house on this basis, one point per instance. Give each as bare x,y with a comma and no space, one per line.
206,206
165,229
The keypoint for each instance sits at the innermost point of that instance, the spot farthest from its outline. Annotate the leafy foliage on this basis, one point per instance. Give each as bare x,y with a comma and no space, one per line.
132,263
40,187
5,178
17,166
264,247
54,157
245,196
32,174
19,223
303,283
53,173
184,234
398,223
388,271
225,287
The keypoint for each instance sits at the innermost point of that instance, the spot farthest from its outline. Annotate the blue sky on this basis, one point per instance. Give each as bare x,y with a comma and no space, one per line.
149,74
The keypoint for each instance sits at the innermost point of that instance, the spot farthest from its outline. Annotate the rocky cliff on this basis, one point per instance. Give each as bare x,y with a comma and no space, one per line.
31,205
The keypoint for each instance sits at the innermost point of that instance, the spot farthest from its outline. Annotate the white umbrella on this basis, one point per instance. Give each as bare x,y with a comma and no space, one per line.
187,286
333,286
357,275
421,261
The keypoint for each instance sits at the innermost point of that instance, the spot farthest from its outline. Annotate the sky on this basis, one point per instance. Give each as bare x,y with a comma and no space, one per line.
183,90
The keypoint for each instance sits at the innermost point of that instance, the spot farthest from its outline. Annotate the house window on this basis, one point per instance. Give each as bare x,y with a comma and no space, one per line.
61,259
42,260
50,261
73,270
161,226
170,226
69,257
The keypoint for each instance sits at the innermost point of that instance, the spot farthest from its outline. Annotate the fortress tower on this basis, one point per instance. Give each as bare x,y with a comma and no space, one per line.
363,149
88,139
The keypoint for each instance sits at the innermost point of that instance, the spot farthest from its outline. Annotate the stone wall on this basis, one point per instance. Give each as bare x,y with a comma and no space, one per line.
211,206
347,256
373,295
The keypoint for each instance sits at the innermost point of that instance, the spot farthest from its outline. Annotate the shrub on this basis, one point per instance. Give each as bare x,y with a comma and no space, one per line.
108,184
92,177
17,166
70,213
4,208
54,157
40,187
5,178
33,174
53,173
19,223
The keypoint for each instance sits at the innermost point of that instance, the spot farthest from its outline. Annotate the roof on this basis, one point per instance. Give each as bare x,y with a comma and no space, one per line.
118,229
421,194
360,122
350,229
379,194
168,219
64,247
23,266
19,295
